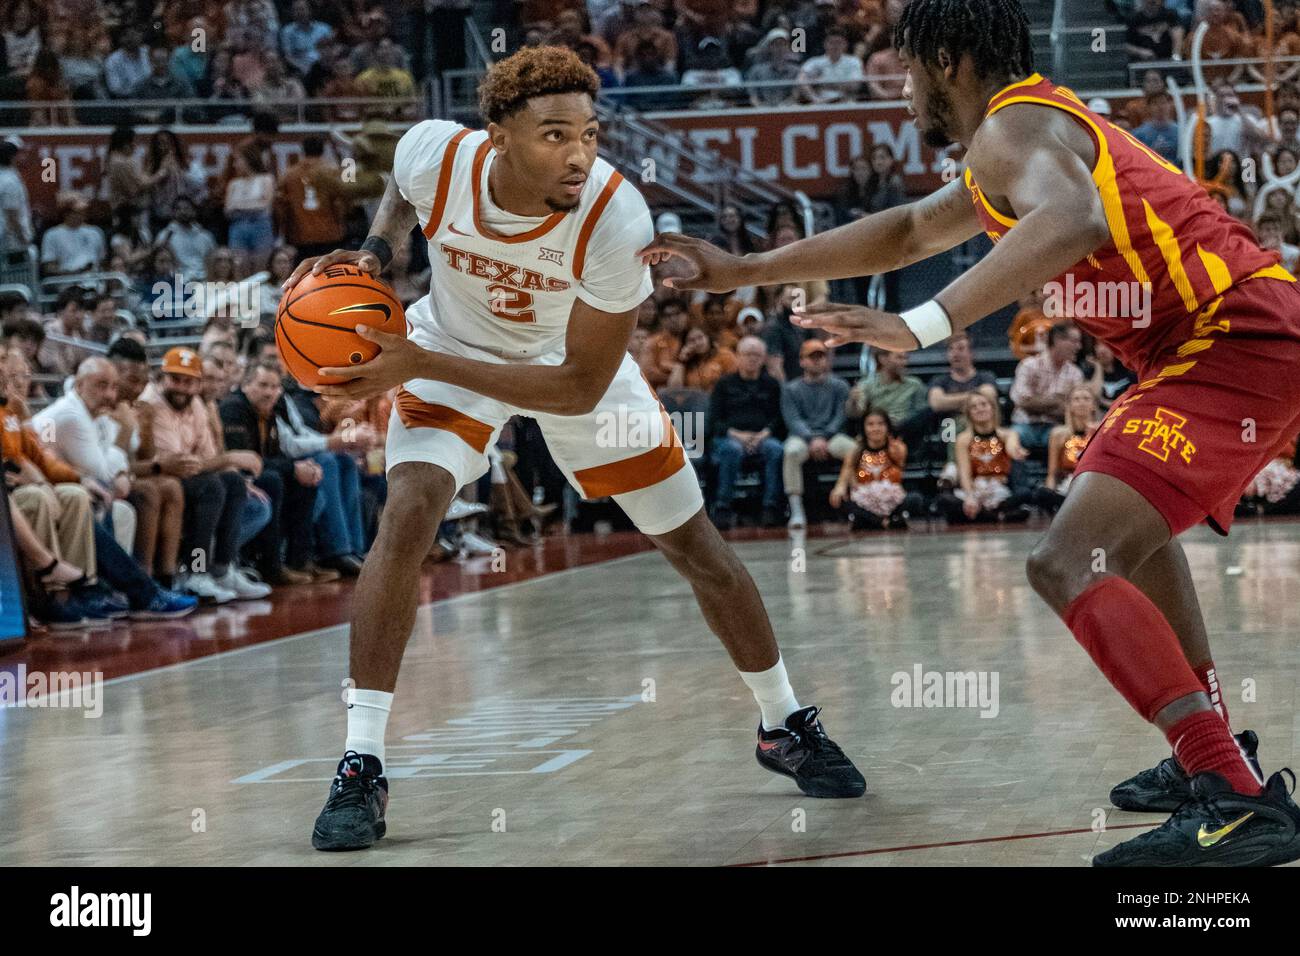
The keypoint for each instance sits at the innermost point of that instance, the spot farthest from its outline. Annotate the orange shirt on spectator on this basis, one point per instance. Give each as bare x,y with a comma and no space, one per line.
18,443
660,355
1028,332
1221,43
704,374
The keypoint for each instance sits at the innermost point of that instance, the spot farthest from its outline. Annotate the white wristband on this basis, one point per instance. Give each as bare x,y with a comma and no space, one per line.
928,322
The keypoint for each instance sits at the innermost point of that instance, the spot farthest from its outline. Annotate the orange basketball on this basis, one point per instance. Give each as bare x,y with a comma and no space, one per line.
315,326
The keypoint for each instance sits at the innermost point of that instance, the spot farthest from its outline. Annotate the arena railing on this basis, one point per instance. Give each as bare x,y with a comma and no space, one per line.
193,112
117,284
1184,68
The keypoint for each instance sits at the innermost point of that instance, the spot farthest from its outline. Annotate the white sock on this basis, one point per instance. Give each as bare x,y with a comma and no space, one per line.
773,692
367,720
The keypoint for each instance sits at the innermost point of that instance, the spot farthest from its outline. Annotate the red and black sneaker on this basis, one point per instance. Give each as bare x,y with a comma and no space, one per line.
802,751
353,817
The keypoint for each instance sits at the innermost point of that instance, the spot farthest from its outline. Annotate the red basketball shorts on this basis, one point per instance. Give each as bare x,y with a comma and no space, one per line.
1208,415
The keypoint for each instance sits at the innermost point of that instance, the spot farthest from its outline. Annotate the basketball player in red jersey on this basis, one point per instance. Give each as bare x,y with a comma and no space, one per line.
1215,338
535,288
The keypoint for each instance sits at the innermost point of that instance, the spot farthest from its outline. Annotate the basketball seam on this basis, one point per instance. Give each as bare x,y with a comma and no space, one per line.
293,345
346,285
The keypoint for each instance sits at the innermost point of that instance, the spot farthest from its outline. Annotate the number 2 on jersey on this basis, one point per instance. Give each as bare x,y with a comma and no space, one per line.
510,304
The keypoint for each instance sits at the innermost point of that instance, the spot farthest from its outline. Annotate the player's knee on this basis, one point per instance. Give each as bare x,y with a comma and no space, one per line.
1046,568
418,495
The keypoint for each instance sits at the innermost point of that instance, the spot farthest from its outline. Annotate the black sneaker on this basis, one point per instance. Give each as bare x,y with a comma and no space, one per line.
353,817
1217,827
772,518
802,750
1164,787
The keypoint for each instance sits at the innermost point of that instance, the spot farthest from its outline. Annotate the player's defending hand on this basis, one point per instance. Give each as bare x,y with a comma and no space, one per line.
366,261
716,270
398,361
857,323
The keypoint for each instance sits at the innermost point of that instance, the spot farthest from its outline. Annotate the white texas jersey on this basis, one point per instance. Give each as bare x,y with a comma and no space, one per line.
505,283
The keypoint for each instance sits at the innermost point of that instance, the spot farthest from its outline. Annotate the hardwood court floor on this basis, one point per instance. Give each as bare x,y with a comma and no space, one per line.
588,717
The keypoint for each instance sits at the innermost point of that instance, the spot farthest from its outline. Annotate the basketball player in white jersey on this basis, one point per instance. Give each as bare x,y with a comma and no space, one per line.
536,281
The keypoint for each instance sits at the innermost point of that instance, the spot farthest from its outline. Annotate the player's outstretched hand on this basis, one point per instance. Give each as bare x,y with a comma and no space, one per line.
857,323
397,362
366,261
716,270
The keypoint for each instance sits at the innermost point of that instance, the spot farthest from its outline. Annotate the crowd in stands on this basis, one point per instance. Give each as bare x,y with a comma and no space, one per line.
245,55
963,446
1249,159
240,56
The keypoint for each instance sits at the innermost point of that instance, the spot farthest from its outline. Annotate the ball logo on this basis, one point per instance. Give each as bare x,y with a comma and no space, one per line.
381,307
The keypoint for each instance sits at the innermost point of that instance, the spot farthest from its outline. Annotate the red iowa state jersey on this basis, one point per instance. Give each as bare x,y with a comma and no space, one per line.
1166,236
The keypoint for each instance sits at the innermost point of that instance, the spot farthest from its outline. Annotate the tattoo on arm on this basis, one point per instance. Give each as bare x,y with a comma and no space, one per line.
395,217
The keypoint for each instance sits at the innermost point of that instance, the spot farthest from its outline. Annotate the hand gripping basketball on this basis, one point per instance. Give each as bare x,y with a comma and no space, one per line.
318,317
365,261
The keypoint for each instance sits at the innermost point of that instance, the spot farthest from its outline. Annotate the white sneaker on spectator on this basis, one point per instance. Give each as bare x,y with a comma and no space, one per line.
797,517
243,584
205,587
460,508
476,545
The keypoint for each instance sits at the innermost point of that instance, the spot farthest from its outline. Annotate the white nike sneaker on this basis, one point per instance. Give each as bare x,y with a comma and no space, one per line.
460,508
476,545
243,584
205,587
797,518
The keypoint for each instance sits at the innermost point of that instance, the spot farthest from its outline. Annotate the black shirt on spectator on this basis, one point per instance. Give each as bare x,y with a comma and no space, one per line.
747,405
784,339
1113,382
950,386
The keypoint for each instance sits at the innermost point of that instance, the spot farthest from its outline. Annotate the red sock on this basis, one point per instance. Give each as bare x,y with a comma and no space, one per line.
1133,645
1202,741
1210,681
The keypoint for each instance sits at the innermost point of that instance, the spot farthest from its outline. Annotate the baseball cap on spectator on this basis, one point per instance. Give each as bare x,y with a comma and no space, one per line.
183,361
1099,105
776,33
810,346
668,222
710,41
748,313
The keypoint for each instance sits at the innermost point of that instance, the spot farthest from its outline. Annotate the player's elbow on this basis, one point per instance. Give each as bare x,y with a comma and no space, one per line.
582,397
1093,229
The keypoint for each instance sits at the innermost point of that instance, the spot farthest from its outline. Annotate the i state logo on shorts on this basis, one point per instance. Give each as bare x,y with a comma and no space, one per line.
1162,433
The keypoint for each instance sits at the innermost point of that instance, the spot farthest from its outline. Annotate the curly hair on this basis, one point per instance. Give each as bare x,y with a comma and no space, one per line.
994,32
533,71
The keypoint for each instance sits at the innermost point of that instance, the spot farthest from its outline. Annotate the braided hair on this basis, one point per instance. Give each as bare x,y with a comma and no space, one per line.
995,33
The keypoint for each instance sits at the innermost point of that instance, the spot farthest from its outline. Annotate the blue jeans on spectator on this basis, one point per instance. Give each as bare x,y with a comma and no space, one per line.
338,506
254,517
252,233
120,571
1034,435
729,455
